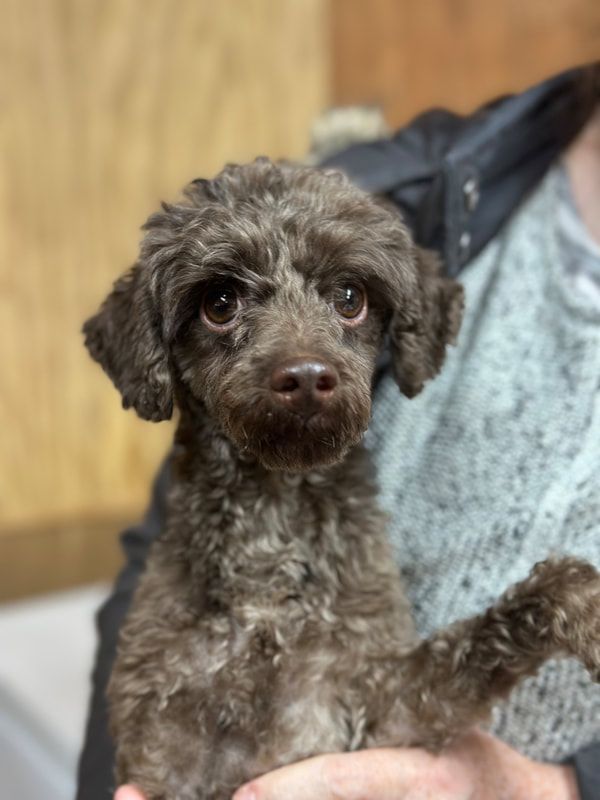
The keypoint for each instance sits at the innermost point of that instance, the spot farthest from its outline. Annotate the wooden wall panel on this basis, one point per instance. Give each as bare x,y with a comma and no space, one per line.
51,557
407,56
107,107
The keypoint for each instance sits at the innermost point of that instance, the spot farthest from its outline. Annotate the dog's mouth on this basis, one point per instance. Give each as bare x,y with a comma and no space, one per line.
283,440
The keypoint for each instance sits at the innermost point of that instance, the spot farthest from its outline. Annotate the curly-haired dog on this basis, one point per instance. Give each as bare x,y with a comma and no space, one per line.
270,623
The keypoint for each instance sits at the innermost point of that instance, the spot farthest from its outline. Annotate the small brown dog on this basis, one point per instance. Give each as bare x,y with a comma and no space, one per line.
270,624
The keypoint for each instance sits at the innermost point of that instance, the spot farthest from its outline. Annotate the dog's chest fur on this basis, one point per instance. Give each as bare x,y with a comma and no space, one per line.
255,598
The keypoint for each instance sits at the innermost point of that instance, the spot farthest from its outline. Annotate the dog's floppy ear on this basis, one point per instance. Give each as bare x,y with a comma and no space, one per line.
418,343
125,338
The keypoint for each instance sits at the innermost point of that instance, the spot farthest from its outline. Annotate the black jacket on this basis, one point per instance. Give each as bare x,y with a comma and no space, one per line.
457,180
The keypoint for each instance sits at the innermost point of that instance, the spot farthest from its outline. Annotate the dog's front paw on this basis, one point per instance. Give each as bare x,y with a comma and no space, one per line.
569,589
567,573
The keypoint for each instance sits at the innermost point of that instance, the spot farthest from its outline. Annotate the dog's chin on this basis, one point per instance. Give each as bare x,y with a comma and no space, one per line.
297,456
285,442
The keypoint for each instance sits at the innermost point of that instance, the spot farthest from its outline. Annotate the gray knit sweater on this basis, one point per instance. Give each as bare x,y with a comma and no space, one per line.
497,463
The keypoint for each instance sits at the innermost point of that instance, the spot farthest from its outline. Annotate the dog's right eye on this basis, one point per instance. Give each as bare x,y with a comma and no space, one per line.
220,305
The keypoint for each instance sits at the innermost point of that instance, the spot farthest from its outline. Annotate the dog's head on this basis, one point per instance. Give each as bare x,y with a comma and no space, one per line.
265,295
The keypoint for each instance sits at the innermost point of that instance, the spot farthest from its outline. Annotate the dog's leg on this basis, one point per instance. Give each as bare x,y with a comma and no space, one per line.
452,680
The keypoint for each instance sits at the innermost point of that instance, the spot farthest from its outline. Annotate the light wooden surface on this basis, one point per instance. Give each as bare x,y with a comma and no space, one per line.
409,55
50,557
109,106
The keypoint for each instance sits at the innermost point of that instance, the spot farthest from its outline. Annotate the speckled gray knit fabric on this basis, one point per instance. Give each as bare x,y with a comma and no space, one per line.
497,463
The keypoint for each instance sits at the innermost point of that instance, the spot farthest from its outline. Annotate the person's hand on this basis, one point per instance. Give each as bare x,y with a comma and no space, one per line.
477,767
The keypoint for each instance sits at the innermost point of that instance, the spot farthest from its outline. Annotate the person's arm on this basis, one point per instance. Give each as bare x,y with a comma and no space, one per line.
95,779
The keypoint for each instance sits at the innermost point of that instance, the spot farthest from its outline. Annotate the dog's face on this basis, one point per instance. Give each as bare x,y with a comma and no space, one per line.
265,295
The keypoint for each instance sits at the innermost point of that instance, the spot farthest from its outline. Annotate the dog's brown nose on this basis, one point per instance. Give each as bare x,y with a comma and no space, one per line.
303,384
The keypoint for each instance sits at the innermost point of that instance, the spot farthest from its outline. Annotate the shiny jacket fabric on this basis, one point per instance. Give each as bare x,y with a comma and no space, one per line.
456,180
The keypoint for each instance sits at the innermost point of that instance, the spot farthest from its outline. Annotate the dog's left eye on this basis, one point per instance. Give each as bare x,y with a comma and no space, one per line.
350,302
220,304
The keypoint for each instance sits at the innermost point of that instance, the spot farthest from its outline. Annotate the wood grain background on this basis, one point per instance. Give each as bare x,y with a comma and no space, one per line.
108,106
406,56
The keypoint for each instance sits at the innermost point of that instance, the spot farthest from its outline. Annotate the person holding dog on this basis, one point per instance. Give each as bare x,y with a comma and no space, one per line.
511,199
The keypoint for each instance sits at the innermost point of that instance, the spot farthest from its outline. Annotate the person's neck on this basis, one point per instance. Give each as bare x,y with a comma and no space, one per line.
583,167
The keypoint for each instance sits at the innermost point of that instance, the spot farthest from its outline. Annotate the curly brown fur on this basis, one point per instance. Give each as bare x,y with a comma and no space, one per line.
270,623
